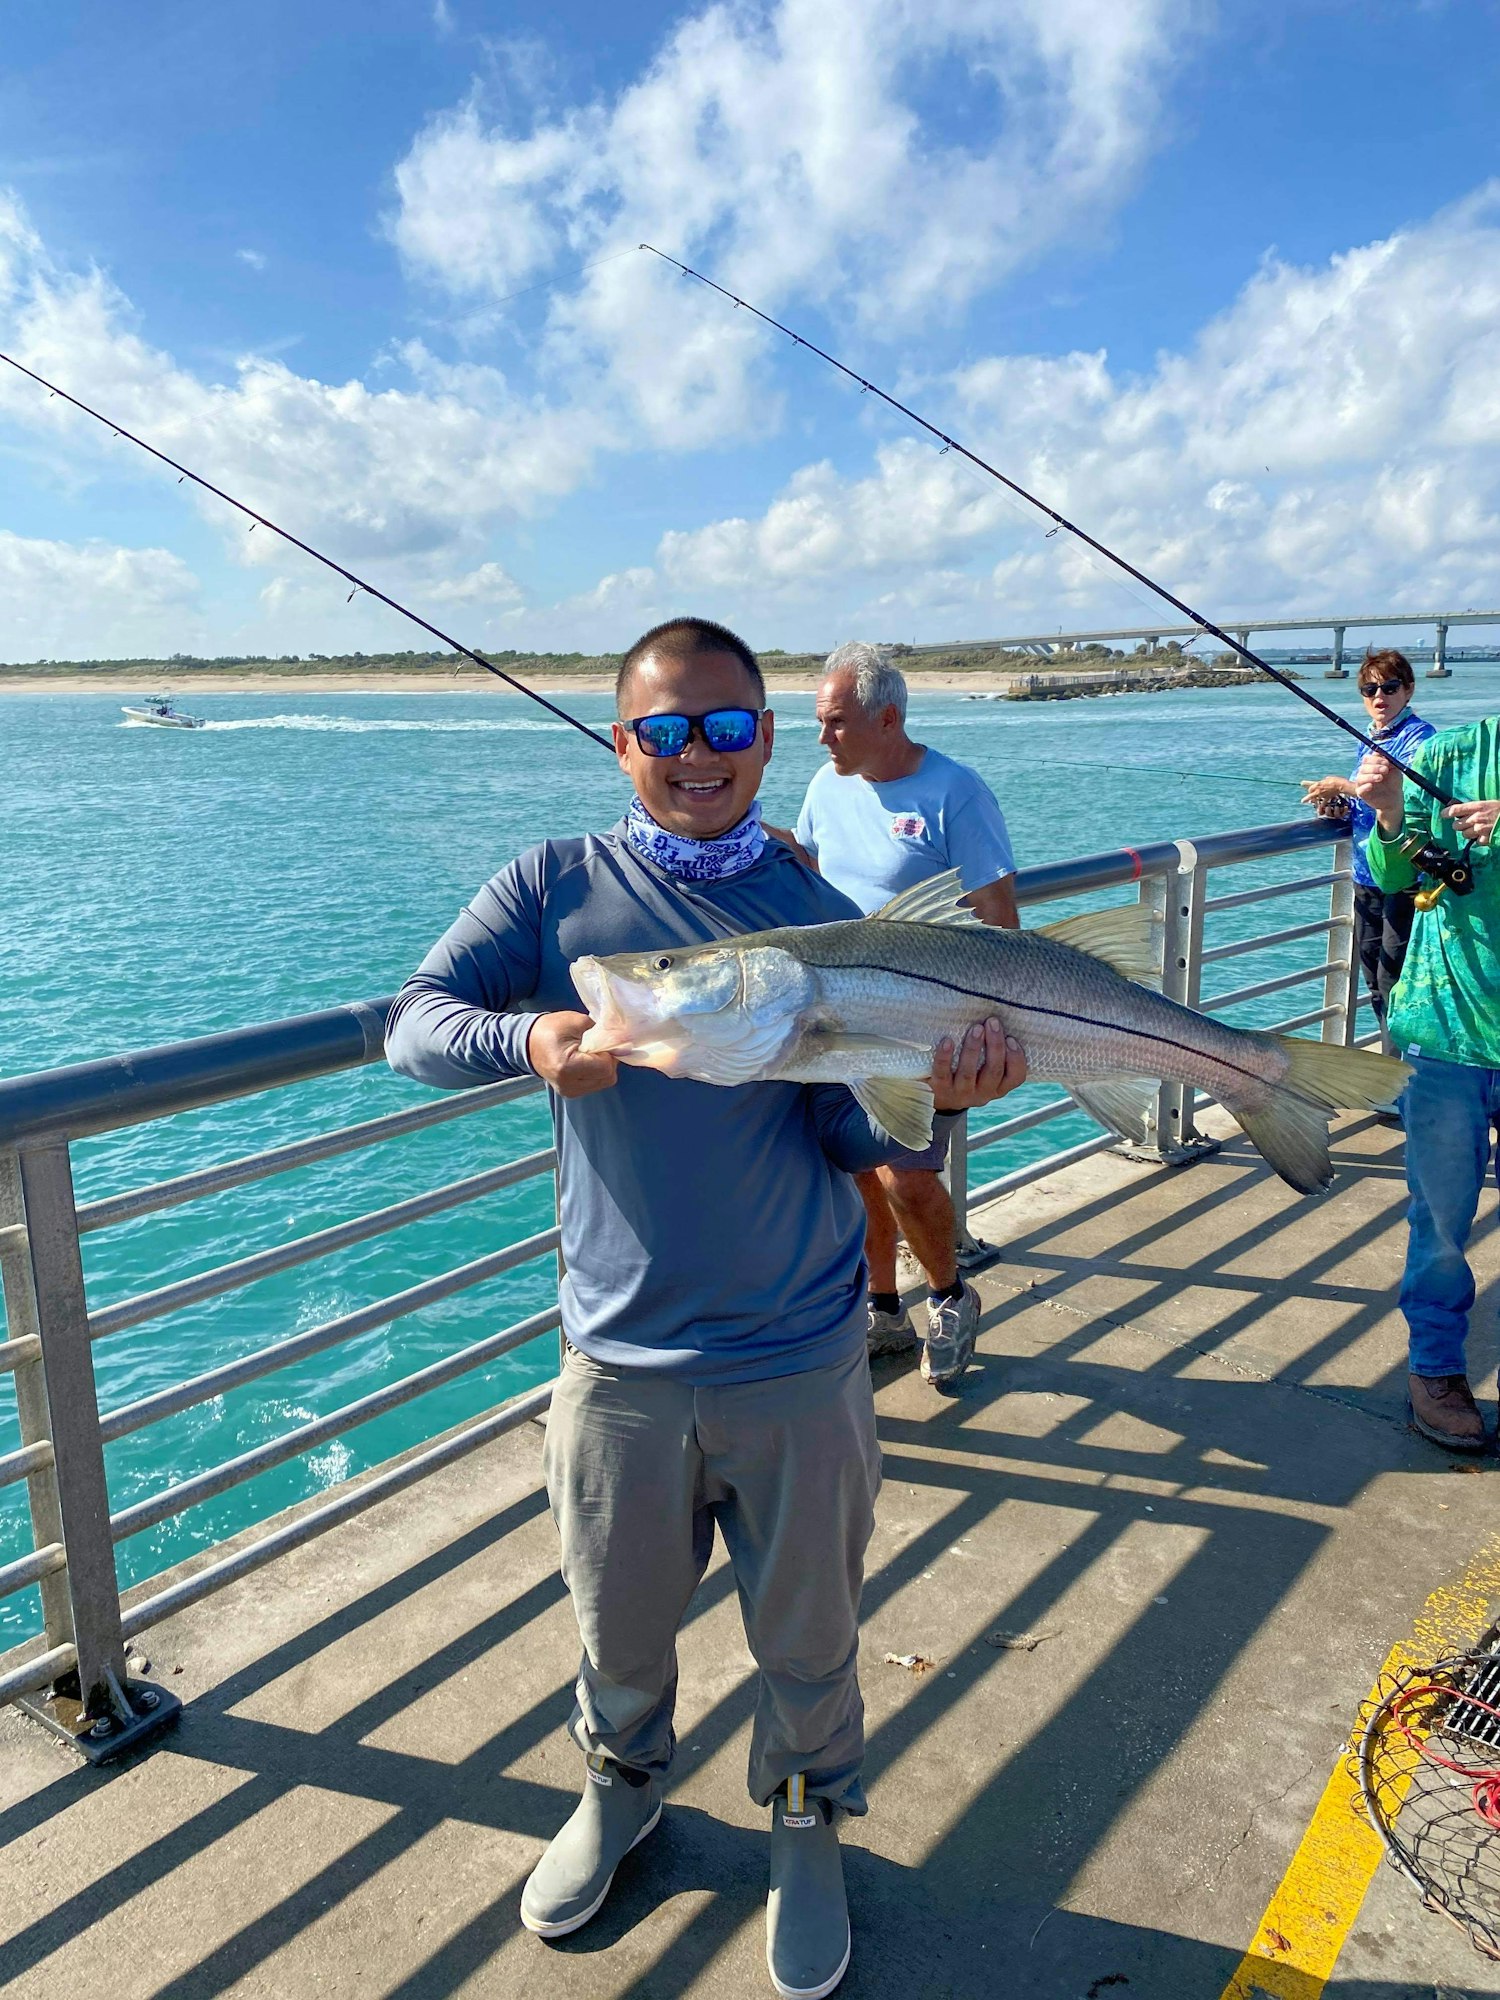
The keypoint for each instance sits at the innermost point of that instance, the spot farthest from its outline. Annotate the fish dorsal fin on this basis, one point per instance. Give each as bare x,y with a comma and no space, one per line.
931,902
1122,937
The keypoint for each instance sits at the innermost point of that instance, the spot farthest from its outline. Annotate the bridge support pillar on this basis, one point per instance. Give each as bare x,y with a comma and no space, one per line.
1440,669
1337,671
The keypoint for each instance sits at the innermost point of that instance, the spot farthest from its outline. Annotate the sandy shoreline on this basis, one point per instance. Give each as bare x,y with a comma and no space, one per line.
188,688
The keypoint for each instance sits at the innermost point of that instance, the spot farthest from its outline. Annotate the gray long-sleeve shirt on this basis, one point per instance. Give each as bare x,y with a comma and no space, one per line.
709,1233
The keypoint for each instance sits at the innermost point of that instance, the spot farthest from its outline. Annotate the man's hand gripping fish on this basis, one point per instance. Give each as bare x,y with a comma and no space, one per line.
865,1001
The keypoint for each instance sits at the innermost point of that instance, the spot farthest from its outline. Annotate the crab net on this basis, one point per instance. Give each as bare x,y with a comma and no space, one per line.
1427,1757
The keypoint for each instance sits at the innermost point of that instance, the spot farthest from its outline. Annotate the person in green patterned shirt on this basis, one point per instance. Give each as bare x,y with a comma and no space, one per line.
1444,1017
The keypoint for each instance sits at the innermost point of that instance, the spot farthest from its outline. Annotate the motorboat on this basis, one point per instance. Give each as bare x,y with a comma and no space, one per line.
160,712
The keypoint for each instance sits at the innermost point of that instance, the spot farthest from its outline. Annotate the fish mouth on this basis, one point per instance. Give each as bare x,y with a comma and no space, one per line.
593,988
632,1033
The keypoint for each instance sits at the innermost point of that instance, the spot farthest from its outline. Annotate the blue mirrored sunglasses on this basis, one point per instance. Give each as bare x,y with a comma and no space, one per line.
721,729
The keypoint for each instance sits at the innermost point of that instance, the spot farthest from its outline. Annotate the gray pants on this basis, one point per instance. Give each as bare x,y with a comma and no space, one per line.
639,1469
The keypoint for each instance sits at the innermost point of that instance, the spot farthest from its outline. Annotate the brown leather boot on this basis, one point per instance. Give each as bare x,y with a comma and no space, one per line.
1443,1409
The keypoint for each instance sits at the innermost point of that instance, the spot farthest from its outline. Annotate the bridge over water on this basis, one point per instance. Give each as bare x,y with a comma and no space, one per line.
1337,625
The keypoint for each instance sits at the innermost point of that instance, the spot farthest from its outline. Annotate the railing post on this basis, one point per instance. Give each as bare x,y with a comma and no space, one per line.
956,1173
1163,896
31,1394
1177,901
1340,982
974,1253
1192,879
106,1712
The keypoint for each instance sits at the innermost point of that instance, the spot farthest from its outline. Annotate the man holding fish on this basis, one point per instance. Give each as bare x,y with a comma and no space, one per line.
713,1296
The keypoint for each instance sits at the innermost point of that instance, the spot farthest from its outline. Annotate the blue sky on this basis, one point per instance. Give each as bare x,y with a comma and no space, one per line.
1222,282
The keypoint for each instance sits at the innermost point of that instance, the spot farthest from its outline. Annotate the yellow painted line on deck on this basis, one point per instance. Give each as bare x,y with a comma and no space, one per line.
1297,1945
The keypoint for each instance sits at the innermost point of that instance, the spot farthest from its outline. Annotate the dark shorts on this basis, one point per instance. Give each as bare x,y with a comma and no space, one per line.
932,1159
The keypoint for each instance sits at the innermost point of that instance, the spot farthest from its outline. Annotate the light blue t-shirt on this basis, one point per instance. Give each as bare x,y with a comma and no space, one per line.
871,840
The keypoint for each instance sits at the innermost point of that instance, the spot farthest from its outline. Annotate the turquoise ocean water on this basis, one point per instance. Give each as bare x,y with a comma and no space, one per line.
302,851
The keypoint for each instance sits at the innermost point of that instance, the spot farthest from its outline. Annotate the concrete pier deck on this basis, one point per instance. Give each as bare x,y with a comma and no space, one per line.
1156,1553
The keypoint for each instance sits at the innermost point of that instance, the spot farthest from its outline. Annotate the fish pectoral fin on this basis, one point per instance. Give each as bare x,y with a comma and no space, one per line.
1121,1104
902,1105
934,901
1123,937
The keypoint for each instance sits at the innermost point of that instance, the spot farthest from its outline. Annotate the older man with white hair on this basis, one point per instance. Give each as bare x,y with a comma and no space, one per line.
882,814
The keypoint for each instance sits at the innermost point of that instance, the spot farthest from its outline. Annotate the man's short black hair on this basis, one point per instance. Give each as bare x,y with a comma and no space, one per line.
681,639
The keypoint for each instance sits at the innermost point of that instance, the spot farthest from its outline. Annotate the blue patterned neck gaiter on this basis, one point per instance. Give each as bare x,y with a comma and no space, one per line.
696,860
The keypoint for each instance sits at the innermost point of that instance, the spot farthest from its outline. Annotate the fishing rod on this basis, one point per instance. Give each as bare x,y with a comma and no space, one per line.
1454,871
359,583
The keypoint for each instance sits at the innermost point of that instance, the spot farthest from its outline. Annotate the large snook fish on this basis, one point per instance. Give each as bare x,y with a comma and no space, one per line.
863,1002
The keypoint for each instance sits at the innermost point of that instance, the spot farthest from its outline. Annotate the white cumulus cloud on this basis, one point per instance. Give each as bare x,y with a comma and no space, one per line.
413,473
802,145
488,585
93,600
1331,440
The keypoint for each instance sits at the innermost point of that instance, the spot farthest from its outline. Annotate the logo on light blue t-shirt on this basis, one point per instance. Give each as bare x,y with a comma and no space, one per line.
908,826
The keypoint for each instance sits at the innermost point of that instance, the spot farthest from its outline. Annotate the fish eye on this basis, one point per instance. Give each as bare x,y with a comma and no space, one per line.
662,964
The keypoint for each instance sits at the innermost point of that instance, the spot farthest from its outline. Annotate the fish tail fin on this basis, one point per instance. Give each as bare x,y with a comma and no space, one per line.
1344,1079
1290,1128
1291,1135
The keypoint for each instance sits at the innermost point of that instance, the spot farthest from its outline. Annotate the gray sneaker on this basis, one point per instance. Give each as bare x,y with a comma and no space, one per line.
807,1915
890,1333
949,1346
570,1882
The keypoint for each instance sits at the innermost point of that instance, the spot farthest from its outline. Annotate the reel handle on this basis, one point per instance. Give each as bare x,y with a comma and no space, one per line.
1447,871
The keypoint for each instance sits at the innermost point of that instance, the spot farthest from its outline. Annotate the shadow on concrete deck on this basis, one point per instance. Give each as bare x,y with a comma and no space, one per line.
1156,1553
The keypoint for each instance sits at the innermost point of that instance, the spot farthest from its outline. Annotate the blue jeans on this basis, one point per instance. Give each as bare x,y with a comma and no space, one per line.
1449,1110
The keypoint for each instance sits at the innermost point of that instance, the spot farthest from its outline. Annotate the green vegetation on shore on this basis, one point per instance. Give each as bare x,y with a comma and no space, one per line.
532,666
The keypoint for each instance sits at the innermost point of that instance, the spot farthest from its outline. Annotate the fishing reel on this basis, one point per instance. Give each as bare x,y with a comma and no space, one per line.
1445,870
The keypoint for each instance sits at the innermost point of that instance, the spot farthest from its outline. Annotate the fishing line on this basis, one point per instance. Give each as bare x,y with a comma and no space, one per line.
1175,771
1205,625
263,521
547,284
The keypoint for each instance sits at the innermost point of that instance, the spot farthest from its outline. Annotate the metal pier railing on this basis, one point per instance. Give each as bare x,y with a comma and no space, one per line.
74,1677
1173,878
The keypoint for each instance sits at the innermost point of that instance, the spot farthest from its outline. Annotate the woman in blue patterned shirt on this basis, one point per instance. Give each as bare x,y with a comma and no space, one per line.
1382,922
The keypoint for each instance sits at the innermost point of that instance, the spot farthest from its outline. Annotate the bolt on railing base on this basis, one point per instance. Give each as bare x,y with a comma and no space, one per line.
1177,1153
100,1739
974,1254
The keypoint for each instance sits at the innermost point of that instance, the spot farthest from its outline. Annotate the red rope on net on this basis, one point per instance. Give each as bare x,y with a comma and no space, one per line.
1485,1791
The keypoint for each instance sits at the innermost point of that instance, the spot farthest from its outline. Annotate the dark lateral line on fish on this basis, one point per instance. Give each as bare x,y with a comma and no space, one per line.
1054,1013
264,521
